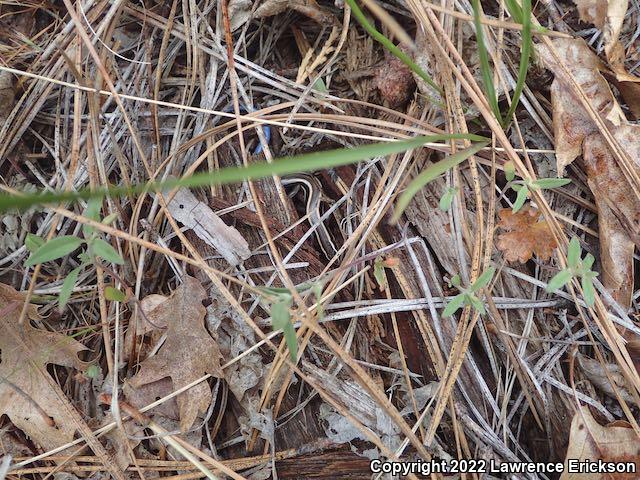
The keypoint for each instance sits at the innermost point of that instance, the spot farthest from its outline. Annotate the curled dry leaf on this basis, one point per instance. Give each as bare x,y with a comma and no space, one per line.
607,15
597,375
571,122
575,134
526,234
590,441
618,209
628,85
188,353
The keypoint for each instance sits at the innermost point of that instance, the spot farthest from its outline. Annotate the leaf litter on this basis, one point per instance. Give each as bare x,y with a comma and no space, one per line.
525,341
183,314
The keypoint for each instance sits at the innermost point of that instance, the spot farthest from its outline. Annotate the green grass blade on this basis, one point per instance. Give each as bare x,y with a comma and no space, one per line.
485,67
430,174
515,10
388,44
285,166
525,55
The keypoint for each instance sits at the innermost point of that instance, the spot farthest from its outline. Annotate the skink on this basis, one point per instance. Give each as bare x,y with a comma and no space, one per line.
314,197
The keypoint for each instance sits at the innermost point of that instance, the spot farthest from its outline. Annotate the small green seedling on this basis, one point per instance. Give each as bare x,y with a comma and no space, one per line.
45,251
468,296
92,371
278,302
524,186
577,267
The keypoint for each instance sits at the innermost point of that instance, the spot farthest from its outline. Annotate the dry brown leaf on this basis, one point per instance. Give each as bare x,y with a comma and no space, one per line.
526,235
599,375
592,11
188,353
571,122
607,15
618,209
616,10
308,8
36,408
590,441
575,134
628,85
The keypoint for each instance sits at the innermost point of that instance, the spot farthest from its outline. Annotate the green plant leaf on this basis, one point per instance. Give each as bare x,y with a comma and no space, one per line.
109,218
447,199
94,205
114,295
104,250
54,248
509,171
551,182
573,253
281,320
483,280
33,242
455,280
523,193
67,287
559,280
317,291
588,290
92,371
587,263
388,44
378,273
476,303
280,314
454,305
483,54
431,173
292,342
284,166
319,86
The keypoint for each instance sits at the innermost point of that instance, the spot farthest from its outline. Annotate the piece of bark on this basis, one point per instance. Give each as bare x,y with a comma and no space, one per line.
198,216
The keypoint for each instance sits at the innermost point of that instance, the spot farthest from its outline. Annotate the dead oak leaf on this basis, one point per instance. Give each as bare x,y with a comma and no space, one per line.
28,395
590,441
526,234
188,353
